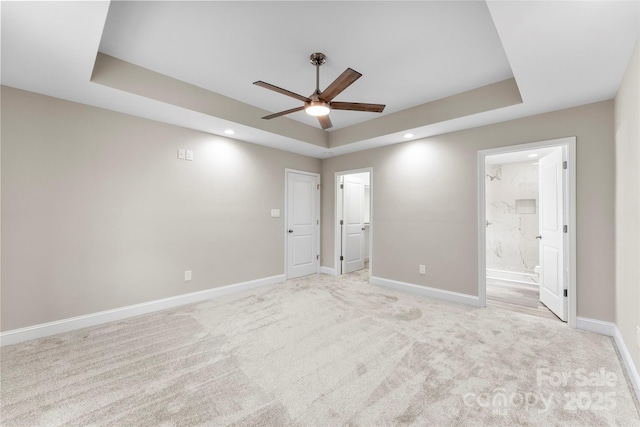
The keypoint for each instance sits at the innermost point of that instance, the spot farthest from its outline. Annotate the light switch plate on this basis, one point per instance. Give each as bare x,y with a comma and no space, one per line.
189,155
181,153
187,275
275,213
638,336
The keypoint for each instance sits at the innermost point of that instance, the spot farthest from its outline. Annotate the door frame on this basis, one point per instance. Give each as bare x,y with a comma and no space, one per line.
336,215
569,146
285,219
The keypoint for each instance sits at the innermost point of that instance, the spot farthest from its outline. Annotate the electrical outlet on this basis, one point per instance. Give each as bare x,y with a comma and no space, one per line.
187,275
182,153
189,155
423,269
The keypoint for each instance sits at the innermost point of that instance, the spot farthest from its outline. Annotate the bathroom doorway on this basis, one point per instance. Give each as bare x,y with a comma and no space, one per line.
527,245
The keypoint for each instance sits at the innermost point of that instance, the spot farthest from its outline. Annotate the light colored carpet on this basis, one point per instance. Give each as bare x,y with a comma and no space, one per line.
318,351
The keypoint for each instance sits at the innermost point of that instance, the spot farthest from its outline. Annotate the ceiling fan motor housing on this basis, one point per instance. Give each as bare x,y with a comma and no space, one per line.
318,58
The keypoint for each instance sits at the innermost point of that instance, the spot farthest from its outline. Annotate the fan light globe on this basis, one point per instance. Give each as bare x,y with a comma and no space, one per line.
317,108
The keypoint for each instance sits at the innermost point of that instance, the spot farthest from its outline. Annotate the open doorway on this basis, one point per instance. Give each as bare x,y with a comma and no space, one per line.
527,229
353,222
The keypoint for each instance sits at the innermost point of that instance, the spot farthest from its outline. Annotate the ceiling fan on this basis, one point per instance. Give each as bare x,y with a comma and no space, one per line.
321,103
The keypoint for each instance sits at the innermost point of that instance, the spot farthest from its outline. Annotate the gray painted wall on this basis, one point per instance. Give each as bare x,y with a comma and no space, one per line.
98,212
425,203
627,125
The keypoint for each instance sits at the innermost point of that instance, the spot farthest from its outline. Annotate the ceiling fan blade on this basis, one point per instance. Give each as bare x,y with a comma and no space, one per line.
325,121
357,106
343,81
282,113
282,91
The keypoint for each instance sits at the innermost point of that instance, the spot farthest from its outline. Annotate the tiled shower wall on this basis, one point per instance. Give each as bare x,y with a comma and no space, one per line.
511,236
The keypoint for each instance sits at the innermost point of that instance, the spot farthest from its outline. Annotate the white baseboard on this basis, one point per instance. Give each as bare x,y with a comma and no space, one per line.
513,276
428,292
628,362
65,325
611,329
328,270
597,326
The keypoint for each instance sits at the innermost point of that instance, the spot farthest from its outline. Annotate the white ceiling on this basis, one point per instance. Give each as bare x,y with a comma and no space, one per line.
225,46
561,54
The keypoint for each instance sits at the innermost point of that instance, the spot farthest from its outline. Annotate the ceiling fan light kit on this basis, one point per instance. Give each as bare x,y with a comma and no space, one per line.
317,108
320,104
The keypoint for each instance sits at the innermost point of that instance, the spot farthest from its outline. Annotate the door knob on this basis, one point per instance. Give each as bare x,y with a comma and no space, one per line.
363,229
290,231
539,237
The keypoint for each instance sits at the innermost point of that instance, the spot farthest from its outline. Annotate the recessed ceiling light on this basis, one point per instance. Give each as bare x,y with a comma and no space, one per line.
536,163
328,153
532,155
408,135
230,132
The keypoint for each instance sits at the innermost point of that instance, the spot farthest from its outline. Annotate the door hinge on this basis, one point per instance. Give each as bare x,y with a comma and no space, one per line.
318,186
565,228
317,256
341,186
341,258
564,165
318,221
565,292
341,222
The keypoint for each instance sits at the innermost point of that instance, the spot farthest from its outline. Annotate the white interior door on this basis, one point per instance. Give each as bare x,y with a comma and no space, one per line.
552,283
353,224
302,224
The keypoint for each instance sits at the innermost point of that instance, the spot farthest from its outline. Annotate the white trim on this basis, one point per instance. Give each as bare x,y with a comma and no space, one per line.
482,229
597,326
520,282
632,371
568,144
337,214
286,211
611,330
571,213
513,276
427,291
73,323
328,270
